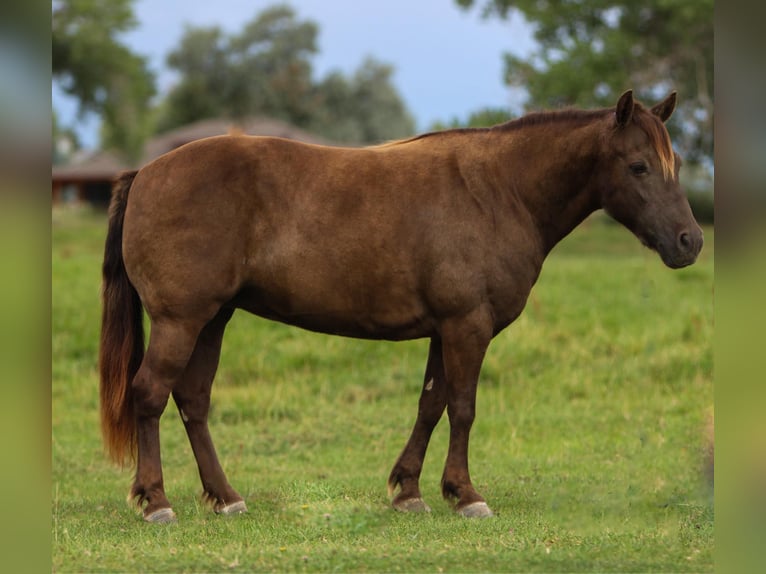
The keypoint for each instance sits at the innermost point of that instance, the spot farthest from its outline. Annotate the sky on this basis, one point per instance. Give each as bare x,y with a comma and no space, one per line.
448,62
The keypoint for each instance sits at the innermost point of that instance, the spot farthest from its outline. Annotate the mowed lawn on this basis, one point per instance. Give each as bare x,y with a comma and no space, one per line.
589,443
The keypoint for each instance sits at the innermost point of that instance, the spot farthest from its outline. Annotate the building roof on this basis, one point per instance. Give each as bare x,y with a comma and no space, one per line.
104,165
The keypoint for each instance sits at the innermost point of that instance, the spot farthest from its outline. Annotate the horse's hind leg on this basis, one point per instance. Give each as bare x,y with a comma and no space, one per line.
170,345
433,399
192,397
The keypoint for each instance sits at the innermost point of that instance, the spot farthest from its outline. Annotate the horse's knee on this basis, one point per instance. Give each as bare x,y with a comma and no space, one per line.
461,414
149,396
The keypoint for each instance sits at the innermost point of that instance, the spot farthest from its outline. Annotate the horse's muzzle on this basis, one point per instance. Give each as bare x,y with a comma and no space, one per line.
685,249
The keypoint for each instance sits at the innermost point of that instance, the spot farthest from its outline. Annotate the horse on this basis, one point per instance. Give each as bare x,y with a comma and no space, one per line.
440,236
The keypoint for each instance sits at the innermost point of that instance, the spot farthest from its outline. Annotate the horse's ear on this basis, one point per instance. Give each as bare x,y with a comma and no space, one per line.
665,108
624,110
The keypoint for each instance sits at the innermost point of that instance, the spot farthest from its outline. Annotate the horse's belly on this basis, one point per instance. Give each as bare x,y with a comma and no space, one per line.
336,311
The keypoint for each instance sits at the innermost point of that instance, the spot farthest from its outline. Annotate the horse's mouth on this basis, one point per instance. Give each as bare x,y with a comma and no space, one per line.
678,262
676,258
672,257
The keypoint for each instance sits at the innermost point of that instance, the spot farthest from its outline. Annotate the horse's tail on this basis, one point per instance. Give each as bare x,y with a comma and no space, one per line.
122,335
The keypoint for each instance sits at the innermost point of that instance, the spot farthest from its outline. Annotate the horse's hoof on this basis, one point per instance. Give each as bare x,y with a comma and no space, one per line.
476,510
411,505
234,508
161,516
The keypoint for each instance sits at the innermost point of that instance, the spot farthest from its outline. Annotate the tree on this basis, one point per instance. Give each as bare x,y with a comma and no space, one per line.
202,92
365,108
589,51
266,69
90,64
64,141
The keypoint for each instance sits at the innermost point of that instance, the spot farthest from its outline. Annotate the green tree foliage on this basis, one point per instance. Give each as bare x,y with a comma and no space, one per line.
363,108
589,51
266,69
90,64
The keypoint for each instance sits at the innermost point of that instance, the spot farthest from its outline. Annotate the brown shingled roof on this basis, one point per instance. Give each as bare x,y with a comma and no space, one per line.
103,165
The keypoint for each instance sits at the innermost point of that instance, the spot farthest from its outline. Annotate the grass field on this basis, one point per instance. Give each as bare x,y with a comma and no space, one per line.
589,439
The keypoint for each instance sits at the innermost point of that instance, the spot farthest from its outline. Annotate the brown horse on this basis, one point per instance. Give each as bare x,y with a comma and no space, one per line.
439,236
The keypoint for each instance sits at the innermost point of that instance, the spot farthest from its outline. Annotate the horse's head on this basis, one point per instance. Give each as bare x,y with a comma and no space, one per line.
640,187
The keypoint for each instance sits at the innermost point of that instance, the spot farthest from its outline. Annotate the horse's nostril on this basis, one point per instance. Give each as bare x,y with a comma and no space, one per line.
685,240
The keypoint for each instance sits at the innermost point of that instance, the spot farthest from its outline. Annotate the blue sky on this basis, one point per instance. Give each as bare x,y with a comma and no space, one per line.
448,62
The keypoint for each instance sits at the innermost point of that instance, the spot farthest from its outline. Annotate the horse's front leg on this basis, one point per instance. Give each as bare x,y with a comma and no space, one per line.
406,471
464,343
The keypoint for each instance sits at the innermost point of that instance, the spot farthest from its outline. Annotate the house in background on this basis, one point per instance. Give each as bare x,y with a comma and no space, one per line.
89,180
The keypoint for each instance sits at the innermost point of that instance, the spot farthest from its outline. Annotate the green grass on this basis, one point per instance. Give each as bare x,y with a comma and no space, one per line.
588,442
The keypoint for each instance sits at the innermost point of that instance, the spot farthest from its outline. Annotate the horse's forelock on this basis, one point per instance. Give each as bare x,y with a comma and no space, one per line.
659,139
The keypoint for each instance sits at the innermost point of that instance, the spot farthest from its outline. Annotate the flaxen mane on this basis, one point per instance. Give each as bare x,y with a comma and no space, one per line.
659,139
643,118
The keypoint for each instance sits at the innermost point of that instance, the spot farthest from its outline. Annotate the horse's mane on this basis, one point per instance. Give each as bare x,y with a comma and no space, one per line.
571,115
643,118
651,125
530,119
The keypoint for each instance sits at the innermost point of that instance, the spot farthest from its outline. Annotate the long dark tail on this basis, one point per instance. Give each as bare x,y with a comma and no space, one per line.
122,335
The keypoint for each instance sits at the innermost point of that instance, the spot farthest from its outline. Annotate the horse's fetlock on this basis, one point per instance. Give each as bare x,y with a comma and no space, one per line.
136,497
450,491
394,481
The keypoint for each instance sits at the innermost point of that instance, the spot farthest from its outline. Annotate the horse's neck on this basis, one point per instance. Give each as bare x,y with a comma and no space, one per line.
550,169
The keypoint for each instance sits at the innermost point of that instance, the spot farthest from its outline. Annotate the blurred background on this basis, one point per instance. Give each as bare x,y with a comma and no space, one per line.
133,79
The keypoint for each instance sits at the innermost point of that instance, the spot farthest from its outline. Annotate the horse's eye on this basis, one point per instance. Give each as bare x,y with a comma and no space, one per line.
638,168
